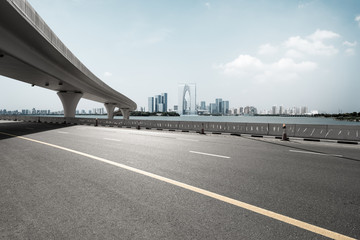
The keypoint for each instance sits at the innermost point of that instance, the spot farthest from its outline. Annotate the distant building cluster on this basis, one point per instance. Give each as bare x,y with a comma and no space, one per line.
248,110
25,112
99,111
187,105
95,111
220,107
158,103
281,110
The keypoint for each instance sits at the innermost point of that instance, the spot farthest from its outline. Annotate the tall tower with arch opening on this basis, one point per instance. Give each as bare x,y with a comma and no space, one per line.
187,99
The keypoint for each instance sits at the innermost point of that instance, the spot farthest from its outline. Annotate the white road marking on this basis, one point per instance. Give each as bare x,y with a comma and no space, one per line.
209,154
187,139
249,207
315,153
112,139
63,132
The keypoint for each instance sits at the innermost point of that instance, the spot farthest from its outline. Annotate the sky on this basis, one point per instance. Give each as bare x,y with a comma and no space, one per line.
257,53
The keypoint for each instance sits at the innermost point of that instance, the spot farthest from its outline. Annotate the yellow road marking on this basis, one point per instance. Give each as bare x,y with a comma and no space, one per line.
264,212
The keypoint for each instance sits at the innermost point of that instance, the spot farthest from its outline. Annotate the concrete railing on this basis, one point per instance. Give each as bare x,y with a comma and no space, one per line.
335,132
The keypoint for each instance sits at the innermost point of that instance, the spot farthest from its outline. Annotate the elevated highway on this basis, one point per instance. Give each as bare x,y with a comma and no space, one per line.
31,52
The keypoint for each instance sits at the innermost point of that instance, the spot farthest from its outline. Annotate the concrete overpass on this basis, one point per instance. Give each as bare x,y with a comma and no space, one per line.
30,52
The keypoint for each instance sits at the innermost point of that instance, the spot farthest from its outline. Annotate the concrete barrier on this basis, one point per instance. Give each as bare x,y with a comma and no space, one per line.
310,131
342,132
307,131
257,128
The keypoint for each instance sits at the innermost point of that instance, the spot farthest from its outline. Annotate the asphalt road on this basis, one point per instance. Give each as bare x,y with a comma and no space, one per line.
85,182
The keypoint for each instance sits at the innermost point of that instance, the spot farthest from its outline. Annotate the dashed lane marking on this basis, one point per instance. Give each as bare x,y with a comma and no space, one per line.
209,154
316,153
249,207
112,139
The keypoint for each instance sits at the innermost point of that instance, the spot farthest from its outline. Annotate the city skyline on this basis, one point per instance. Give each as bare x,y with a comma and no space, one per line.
274,53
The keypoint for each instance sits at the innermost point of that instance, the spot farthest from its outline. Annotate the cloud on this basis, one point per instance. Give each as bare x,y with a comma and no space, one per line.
303,4
350,44
243,65
357,19
350,52
208,5
291,53
313,44
107,74
288,64
267,49
246,66
320,35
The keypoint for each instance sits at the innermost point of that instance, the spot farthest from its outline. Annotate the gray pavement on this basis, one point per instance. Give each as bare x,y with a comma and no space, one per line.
52,193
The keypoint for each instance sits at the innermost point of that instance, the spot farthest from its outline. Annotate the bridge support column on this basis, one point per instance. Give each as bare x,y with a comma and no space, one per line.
125,112
69,101
110,107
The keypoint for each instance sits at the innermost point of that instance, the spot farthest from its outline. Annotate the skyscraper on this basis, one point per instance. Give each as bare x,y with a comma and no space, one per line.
187,99
273,110
219,105
304,110
151,104
203,105
225,106
212,108
164,101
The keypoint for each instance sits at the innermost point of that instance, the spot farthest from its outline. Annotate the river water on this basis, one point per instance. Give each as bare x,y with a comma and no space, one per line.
245,119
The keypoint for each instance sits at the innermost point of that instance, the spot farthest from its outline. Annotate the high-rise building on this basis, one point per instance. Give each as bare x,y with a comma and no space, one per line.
212,108
161,107
151,104
219,105
164,101
203,105
273,110
304,110
241,110
225,107
281,110
247,110
187,99
157,102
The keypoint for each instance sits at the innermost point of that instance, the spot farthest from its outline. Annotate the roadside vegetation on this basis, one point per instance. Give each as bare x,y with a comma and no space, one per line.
353,117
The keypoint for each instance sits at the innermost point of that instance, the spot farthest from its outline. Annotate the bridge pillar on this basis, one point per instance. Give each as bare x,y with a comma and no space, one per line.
69,101
125,112
110,107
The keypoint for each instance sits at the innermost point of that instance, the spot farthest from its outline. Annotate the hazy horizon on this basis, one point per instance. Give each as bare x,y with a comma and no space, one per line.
256,53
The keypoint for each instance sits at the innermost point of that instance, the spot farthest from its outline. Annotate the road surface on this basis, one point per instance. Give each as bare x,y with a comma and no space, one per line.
85,182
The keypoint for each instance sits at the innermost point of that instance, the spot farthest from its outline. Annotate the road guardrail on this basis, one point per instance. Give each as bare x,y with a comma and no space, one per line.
310,131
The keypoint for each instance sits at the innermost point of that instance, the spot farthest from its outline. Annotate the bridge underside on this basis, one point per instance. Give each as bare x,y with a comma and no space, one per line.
68,94
28,56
